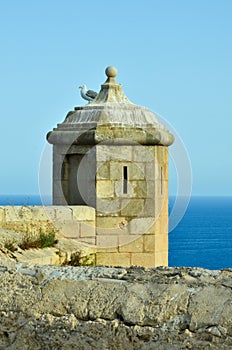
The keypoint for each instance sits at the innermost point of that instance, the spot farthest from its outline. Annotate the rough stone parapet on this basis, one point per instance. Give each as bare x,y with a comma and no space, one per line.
68,221
113,240
48,307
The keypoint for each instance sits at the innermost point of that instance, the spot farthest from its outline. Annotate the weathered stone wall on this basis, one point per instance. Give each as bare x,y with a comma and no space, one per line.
74,222
115,240
48,307
132,224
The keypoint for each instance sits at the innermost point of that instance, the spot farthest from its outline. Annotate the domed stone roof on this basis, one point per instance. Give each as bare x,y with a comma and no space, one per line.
111,116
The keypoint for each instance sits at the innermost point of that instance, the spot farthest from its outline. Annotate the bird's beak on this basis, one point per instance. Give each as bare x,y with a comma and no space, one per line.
80,87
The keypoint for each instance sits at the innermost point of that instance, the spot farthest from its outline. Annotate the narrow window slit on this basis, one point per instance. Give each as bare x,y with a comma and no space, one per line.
125,179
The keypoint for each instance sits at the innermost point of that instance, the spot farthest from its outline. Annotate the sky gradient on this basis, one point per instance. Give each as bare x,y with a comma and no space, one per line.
173,56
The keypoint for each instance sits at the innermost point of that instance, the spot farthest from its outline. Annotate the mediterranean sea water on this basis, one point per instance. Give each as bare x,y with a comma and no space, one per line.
203,238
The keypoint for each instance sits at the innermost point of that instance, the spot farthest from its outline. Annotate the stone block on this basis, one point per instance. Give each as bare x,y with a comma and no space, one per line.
155,207
161,258
151,189
161,188
150,171
87,229
88,240
136,171
110,152
149,243
139,188
83,213
140,225
153,229
111,231
105,189
116,170
149,208
143,259
160,226
165,188
111,222
103,171
153,167
132,208
69,229
161,242
102,132
17,213
111,226
130,243
107,207
161,154
143,154
161,206
113,259
103,247
107,241
123,153
63,213
128,134
11,214
43,213
25,213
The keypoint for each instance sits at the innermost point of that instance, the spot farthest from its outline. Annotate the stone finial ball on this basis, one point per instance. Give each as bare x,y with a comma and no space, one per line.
111,72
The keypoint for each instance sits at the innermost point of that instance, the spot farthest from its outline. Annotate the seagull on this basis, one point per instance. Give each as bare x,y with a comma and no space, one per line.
88,95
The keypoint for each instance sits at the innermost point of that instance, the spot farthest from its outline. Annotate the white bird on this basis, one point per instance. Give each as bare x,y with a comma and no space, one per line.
88,95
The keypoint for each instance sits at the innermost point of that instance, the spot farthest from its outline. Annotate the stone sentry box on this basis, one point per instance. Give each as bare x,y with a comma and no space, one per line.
112,155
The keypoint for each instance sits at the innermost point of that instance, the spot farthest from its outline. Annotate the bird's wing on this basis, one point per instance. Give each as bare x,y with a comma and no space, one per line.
91,93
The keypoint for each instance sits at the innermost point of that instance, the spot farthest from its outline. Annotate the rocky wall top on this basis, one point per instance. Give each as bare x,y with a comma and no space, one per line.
48,307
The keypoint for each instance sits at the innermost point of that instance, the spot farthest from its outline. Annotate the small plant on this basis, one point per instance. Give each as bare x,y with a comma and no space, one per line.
77,259
40,240
10,244
47,240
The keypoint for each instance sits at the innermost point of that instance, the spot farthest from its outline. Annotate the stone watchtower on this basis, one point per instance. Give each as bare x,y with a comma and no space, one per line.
112,155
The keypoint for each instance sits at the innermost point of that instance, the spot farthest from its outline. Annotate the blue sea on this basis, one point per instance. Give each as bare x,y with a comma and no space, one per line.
203,238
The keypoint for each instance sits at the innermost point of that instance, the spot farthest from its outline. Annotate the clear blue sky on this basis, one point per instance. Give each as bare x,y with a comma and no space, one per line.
173,56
